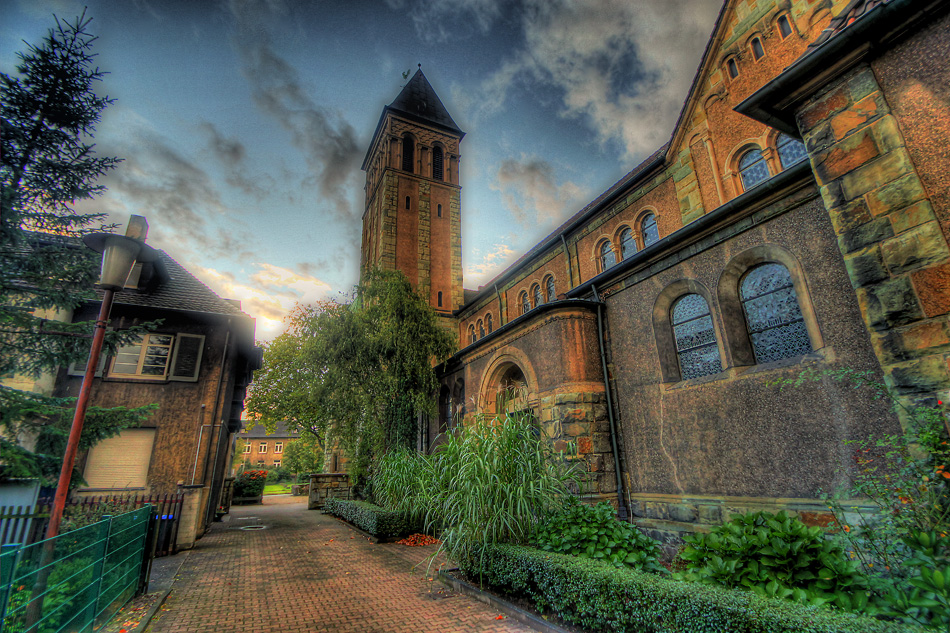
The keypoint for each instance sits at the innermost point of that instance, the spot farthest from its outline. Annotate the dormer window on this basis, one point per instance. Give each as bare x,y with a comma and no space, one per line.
757,51
437,160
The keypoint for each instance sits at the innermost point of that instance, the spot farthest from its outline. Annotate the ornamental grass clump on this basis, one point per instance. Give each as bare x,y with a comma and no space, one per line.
403,482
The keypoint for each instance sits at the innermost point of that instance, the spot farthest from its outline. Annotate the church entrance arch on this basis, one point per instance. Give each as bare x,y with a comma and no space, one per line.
510,386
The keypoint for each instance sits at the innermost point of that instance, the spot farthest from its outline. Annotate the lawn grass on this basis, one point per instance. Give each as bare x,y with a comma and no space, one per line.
277,489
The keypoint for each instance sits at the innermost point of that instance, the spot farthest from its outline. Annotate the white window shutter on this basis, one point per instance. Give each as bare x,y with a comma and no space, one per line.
186,361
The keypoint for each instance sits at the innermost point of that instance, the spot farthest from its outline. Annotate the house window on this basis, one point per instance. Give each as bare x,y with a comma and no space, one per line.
757,51
649,230
784,27
790,151
607,256
247,448
146,359
408,151
525,303
276,463
733,68
696,347
774,317
488,323
536,294
440,298
278,447
262,447
628,245
549,288
481,329
437,162
471,334
440,210
752,169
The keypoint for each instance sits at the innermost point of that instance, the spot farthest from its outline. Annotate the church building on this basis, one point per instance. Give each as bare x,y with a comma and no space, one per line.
797,219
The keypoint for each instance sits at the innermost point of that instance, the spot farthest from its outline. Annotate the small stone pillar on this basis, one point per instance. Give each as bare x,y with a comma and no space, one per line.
325,485
190,521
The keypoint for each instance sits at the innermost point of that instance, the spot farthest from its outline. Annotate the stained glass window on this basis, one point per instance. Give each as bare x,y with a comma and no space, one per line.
790,151
549,288
607,256
525,303
488,322
481,329
628,245
696,346
753,169
649,230
471,334
536,294
776,326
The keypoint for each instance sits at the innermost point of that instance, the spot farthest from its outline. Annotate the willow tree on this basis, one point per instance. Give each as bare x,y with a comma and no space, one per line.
356,372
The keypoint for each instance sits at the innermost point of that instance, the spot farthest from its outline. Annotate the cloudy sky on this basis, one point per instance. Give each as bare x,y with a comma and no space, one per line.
242,123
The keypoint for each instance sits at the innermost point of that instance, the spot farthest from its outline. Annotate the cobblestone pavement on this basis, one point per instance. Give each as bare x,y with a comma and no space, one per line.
300,571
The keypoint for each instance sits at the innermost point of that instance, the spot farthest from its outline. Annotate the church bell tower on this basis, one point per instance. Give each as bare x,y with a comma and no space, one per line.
412,219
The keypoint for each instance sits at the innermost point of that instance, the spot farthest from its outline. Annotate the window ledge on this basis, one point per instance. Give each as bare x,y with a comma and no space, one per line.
824,355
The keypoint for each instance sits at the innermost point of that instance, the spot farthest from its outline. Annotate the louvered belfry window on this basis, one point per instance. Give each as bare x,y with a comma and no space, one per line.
437,160
696,347
408,153
773,315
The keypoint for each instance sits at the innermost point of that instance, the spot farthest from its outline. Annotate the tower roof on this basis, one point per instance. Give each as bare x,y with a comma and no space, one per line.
418,101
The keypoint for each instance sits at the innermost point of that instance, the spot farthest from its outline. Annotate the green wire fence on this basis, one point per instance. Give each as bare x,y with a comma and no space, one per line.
74,582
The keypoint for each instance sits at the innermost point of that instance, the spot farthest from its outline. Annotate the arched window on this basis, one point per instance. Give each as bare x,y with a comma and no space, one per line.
549,288
440,298
437,162
445,410
440,210
753,169
628,245
757,51
408,153
488,323
774,317
481,329
525,303
733,68
471,334
649,230
696,347
607,256
784,27
790,151
536,295
408,203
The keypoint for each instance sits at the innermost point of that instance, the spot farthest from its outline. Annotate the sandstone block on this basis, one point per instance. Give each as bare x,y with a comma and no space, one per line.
850,216
818,139
866,267
913,216
895,195
576,429
823,107
859,114
847,155
913,341
889,304
923,375
933,289
866,235
584,445
683,512
710,514
879,171
832,195
862,84
918,247
601,442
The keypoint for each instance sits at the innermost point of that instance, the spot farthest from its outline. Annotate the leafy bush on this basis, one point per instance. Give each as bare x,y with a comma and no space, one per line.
278,475
402,482
371,518
776,555
250,483
595,532
600,597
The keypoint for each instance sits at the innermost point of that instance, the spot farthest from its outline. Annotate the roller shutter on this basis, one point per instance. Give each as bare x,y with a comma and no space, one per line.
121,461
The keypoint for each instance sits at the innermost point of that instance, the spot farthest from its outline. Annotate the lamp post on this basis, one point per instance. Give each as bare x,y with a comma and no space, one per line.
119,254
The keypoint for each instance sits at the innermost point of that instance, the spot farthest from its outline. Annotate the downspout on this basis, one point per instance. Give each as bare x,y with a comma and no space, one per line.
201,430
621,505
501,308
567,254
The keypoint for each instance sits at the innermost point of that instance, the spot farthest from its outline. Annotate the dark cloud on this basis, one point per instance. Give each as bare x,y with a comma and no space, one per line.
230,154
228,151
532,192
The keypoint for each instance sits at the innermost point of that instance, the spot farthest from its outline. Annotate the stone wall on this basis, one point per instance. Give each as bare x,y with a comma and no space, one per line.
326,485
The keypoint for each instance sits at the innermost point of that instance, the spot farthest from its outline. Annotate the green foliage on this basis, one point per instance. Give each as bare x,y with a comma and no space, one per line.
355,373
371,518
601,597
776,555
46,165
279,474
249,484
403,482
595,532
304,455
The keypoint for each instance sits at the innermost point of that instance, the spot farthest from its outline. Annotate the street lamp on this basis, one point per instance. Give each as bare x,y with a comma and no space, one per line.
119,254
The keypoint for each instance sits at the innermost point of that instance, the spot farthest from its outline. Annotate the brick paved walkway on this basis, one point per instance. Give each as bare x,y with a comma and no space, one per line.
305,573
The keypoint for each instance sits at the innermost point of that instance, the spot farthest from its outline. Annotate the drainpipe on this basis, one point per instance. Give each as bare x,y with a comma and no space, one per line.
621,505
201,430
567,254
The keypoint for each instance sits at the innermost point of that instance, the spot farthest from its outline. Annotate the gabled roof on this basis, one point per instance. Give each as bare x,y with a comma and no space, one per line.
418,101
259,430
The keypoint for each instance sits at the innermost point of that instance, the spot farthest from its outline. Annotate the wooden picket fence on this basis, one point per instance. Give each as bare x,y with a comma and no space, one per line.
27,524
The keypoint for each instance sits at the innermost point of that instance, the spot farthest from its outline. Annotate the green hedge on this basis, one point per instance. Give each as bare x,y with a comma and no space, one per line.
371,518
601,597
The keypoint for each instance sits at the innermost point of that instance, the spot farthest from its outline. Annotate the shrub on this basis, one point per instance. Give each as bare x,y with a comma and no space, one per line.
776,555
371,518
250,483
601,597
402,482
595,532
